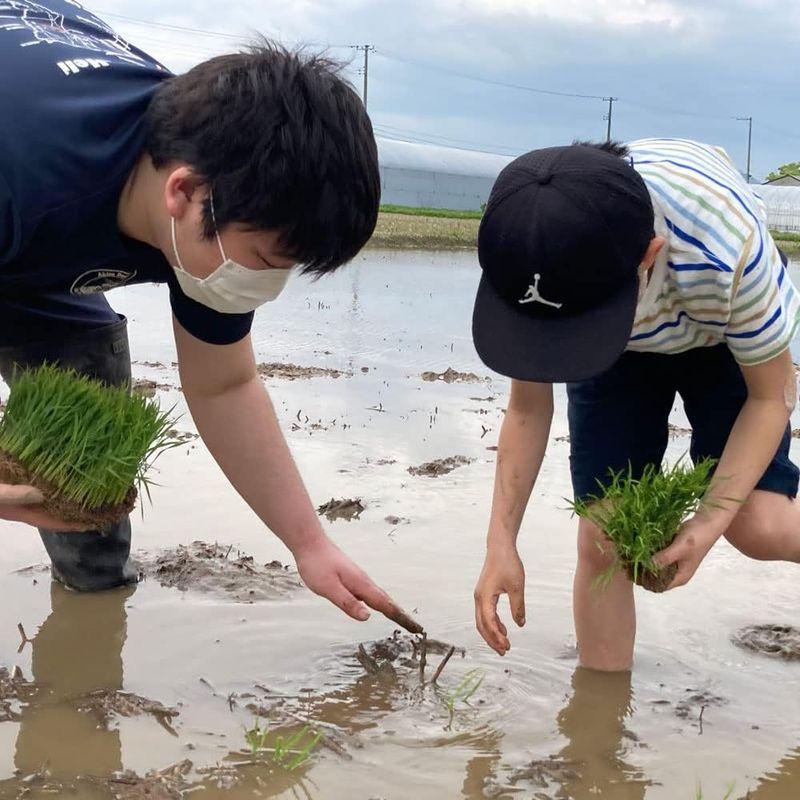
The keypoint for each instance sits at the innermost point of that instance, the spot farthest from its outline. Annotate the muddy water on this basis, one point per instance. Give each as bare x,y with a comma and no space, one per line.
698,710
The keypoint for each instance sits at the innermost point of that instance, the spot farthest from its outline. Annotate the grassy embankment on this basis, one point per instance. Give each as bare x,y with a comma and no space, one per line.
404,228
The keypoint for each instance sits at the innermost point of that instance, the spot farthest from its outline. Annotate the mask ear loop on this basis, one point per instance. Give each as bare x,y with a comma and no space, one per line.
214,221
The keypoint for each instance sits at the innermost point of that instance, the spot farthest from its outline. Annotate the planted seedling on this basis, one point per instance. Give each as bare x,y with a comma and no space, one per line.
86,446
469,684
641,516
288,752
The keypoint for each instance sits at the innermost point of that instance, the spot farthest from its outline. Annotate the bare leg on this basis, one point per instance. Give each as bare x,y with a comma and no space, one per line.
767,528
605,618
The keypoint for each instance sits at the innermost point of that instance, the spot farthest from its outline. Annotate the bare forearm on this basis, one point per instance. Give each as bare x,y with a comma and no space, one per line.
520,452
241,430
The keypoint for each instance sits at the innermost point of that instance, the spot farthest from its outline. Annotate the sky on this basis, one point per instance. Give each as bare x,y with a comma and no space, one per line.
486,74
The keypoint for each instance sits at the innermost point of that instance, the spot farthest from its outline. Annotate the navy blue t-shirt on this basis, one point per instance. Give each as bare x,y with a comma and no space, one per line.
73,97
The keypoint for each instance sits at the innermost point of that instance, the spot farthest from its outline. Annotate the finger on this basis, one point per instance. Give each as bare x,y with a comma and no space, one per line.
682,577
516,599
40,519
669,555
494,626
350,604
20,495
365,589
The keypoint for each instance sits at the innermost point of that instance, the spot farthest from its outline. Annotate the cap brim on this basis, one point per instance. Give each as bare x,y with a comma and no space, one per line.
554,349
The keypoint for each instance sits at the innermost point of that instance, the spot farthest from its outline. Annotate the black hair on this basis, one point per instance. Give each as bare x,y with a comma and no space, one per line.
610,146
284,143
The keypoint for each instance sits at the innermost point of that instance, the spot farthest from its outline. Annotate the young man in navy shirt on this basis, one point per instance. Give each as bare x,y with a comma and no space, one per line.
216,183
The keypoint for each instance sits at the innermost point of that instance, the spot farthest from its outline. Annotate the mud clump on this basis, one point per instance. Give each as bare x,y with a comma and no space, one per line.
451,376
399,652
14,690
293,372
104,704
776,641
433,469
341,509
657,582
209,568
13,472
675,432
147,388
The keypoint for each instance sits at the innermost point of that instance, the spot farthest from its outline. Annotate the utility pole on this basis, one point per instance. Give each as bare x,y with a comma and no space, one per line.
749,121
610,101
366,49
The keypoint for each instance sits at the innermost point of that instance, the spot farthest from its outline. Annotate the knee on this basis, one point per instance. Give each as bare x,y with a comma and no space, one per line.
595,551
754,536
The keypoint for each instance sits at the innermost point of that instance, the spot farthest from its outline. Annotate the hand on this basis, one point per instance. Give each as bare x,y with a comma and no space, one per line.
503,573
22,504
688,549
328,572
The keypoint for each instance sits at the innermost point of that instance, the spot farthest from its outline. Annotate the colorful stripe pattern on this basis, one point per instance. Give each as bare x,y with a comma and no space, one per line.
720,277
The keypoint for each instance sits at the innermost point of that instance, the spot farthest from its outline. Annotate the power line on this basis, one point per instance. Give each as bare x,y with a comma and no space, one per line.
199,31
489,81
432,138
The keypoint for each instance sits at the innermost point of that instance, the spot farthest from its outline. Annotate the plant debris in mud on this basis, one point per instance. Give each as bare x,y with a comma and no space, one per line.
219,570
14,690
451,376
777,641
641,516
104,704
293,372
341,509
433,469
85,445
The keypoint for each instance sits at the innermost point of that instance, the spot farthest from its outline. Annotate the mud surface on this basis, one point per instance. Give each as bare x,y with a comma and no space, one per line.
292,372
777,641
695,711
452,376
220,570
11,471
442,466
341,509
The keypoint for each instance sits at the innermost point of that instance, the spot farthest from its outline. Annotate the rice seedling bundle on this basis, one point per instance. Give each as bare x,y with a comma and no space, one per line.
641,516
85,445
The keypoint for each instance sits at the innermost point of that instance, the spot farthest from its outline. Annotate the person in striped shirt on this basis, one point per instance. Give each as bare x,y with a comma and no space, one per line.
633,273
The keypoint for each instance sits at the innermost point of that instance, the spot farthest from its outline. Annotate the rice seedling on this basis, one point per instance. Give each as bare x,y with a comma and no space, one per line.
465,689
641,516
288,752
86,446
728,794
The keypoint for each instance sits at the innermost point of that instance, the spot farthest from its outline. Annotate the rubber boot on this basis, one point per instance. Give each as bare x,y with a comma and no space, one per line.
95,560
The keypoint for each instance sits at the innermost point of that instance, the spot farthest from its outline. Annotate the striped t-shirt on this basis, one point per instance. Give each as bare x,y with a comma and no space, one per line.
720,277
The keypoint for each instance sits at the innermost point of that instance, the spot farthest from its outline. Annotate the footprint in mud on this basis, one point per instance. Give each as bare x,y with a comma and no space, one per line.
209,568
292,372
777,641
341,509
433,469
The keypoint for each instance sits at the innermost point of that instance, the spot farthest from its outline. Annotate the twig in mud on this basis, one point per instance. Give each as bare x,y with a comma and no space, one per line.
209,684
396,614
367,661
423,657
702,711
441,666
228,553
25,639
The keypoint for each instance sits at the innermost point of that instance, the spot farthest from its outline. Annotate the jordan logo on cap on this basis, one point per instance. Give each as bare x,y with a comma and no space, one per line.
533,296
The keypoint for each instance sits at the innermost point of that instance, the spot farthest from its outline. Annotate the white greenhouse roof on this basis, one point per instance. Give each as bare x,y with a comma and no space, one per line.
397,154
779,195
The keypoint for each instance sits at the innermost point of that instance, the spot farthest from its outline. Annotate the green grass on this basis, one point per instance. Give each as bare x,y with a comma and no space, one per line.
641,516
785,236
89,441
447,213
288,752
461,693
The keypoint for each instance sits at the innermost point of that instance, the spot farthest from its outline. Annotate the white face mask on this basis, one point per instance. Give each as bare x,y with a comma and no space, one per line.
231,288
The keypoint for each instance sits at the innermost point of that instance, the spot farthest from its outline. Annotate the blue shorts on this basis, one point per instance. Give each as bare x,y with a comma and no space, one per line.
620,417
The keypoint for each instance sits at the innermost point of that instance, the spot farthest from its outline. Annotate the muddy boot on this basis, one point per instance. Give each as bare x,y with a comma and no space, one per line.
94,560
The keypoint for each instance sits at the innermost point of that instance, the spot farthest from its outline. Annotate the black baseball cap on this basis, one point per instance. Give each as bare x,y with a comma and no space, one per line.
560,246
